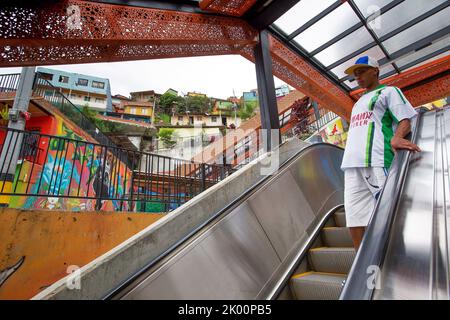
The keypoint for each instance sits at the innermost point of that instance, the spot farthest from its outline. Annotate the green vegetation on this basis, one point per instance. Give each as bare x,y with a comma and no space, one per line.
104,126
248,110
167,100
4,116
196,104
166,136
165,118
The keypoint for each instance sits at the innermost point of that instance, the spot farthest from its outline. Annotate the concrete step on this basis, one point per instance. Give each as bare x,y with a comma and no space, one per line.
339,218
317,285
336,237
331,259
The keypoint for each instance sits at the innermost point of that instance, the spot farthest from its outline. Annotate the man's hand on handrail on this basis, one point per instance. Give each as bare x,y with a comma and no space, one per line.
398,142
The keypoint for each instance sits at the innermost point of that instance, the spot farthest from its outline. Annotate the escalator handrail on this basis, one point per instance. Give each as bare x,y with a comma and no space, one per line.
368,260
112,294
274,292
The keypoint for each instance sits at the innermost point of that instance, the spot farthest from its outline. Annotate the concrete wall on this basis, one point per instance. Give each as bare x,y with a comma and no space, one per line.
39,247
106,272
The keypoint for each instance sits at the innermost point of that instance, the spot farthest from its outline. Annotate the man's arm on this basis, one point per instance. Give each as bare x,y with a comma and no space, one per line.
398,142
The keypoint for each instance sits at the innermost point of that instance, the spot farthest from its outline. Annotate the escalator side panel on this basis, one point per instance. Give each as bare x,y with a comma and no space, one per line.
415,248
229,251
239,255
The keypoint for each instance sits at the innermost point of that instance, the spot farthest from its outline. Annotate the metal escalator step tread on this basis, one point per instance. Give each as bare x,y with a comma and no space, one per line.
317,285
339,218
331,259
330,223
336,237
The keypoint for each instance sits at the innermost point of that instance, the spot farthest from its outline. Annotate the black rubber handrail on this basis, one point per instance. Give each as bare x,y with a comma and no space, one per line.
376,238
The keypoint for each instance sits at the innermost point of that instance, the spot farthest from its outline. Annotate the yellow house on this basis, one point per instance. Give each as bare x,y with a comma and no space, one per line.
139,108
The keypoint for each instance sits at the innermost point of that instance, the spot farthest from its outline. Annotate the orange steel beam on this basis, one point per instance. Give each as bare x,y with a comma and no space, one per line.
429,91
418,95
46,35
119,33
229,7
49,35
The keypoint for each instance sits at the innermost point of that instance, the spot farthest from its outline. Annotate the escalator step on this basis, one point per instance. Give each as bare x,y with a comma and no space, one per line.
336,237
317,285
331,259
339,218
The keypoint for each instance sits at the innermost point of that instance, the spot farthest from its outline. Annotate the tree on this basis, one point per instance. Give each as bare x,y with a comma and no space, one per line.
196,104
167,100
165,134
248,110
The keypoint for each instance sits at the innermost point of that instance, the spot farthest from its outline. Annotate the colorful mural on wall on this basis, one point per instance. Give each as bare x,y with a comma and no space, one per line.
66,168
335,133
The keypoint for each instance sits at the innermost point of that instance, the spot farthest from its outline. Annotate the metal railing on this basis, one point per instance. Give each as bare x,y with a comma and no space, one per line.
127,116
101,177
322,121
9,82
45,89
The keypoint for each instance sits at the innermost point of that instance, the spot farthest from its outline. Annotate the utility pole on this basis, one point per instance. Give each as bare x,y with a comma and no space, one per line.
13,140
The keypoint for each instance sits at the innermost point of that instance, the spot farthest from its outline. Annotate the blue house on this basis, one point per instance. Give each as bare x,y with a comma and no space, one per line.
80,89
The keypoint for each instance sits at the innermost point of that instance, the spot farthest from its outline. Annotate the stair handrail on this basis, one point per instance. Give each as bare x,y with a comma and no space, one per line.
94,130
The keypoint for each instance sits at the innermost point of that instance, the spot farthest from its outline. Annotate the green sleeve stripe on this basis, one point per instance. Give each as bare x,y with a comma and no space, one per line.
392,116
388,133
400,94
369,144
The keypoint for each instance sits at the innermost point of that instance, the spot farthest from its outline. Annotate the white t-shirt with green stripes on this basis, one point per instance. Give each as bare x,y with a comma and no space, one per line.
373,123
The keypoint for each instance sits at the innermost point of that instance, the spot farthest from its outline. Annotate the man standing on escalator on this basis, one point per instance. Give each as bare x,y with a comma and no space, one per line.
379,122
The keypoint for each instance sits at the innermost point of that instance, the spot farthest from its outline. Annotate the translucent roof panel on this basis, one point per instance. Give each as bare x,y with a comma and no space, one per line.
419,31
369,7
327,28
301,13
333,33
402,14
443,44
429,60
345,46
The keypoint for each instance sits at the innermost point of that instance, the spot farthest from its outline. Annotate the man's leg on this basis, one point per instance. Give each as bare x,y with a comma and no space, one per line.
358,201
375,179
357,234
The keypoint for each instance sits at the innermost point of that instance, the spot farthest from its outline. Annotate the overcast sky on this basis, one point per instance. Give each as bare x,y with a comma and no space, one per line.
216,76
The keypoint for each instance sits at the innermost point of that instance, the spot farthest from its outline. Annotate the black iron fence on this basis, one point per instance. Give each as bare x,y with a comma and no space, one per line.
79,175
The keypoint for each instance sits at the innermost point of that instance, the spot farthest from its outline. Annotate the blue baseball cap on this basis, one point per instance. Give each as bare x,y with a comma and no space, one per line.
363,61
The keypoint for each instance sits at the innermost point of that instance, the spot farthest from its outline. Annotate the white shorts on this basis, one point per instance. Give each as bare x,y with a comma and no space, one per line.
362,188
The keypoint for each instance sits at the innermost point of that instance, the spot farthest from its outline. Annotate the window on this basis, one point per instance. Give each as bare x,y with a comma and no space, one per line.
99,100
199,118
180,118
63,79
213,119
144,110
86,98
98,84
82,82
133,110
46,76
